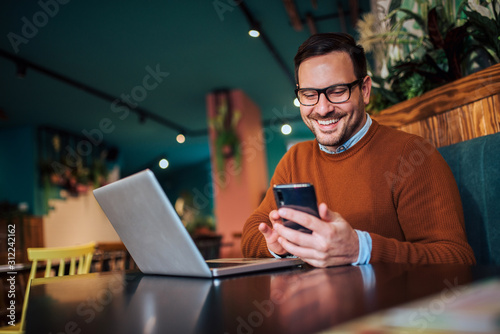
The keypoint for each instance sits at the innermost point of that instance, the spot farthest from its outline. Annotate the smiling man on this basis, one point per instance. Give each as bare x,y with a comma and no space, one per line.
385,195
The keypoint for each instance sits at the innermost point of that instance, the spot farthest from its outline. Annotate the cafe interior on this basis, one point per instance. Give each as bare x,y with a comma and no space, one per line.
202,95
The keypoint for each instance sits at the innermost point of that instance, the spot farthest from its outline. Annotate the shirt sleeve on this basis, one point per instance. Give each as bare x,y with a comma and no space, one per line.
365,248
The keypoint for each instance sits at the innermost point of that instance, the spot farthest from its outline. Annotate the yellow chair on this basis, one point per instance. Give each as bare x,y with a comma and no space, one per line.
83,252
84,255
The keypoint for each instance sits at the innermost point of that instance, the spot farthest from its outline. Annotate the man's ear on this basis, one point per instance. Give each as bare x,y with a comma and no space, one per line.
366,89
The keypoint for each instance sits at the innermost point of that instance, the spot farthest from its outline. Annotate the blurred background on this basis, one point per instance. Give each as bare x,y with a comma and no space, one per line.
200,92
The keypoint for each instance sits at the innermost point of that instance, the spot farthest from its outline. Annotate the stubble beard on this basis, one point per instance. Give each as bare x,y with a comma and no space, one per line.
334,138
329,138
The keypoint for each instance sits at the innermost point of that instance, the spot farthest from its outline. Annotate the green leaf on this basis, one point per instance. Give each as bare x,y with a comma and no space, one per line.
483,23
392,7
410,15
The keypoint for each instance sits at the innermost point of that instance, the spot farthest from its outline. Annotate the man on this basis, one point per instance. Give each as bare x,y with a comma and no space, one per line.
386,195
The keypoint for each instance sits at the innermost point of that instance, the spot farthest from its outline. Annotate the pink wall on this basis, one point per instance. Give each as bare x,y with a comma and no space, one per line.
236,195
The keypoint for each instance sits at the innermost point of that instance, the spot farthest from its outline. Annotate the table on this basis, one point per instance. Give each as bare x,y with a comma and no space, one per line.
297,300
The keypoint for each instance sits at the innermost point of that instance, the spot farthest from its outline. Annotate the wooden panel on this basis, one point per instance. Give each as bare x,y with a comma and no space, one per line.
28,233
466,122
496,112
461,92
455,127
479,118
489,110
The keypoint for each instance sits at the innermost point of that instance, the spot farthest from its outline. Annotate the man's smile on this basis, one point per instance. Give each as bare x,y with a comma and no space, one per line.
328,122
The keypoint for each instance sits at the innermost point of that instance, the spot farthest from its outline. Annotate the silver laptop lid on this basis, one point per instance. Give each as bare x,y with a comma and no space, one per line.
148,225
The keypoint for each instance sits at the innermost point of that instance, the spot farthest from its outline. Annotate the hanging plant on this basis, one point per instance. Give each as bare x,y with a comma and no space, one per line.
224,124
61,170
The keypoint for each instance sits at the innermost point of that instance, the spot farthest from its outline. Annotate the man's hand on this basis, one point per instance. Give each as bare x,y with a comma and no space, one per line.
270,234
333,241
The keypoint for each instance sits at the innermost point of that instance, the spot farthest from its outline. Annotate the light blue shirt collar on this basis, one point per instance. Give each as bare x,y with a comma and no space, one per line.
353,140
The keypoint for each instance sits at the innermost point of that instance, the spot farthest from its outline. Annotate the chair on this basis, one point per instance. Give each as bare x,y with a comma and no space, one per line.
84,255
110,256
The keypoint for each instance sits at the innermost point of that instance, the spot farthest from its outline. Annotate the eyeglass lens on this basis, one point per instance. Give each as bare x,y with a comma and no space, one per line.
335,94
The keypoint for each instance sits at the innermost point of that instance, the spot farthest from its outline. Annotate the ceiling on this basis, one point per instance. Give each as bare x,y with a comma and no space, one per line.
83,55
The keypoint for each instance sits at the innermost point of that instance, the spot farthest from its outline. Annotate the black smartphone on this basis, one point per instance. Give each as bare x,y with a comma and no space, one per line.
297,196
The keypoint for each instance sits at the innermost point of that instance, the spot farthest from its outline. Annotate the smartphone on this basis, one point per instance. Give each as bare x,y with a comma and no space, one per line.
297,196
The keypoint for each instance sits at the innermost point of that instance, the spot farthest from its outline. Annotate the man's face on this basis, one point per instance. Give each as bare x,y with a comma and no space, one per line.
333,124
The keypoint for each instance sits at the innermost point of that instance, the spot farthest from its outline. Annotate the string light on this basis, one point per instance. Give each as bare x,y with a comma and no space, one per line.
180,138
286,129
163,163
254,33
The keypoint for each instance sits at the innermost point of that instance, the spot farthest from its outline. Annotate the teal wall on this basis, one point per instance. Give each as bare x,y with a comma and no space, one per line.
195,179
276,143
19,181
275,149
17,167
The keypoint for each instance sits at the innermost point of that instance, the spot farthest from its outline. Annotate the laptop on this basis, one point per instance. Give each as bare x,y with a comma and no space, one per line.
155,237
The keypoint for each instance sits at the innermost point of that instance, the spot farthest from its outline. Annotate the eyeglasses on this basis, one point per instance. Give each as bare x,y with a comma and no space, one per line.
335,94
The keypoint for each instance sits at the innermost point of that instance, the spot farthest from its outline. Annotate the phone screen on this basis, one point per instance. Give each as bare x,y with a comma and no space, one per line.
297,196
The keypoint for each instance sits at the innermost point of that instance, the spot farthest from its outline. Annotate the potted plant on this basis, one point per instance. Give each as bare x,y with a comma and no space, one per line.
421,48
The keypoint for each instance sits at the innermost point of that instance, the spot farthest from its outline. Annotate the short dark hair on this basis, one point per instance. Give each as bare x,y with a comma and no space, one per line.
324,43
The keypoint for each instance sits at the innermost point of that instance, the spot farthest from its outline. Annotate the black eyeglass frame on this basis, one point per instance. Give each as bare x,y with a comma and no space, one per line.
323,91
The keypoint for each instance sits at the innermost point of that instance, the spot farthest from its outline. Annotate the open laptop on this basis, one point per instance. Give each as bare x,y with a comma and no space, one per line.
155,237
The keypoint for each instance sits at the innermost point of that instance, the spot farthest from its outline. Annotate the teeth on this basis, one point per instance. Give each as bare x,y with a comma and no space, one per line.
328,122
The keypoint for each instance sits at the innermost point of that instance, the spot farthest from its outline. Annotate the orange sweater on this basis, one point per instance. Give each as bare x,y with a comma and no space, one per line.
392,184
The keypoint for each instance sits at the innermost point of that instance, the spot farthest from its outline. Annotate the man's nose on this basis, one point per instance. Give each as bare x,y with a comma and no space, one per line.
324,106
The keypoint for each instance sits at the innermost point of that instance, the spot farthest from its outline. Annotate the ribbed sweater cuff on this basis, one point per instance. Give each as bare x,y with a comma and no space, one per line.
383,250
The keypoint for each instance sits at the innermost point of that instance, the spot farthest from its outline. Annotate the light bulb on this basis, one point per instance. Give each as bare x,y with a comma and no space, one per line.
180,138
254,33
163,163
286,129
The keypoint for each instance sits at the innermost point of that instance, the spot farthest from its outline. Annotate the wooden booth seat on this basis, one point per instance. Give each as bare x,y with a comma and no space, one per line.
475,163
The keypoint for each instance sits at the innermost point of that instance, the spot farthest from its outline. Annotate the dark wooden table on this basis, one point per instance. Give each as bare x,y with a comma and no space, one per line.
300,300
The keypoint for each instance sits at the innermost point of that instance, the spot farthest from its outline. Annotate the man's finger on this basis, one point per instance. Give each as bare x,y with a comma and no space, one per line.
296,237
327,214
265,230
300,217
296,250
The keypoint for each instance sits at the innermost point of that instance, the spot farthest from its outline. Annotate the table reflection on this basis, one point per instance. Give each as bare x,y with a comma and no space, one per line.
294,300
319,298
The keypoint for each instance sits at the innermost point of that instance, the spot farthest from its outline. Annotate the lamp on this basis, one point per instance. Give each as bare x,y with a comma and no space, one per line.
254,32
